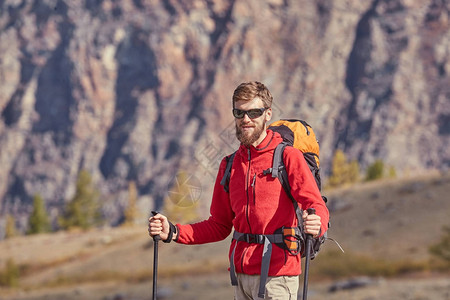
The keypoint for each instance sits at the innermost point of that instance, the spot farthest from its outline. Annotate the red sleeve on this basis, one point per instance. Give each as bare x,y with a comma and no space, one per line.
303,185
220,223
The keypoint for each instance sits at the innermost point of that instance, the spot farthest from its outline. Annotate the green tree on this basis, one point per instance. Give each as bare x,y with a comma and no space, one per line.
10,228
83,211
375,171
39,221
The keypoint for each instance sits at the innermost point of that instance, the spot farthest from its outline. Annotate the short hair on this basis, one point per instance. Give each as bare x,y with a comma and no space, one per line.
248,91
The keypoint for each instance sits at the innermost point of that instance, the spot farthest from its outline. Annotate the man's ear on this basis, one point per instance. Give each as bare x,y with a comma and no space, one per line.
268,114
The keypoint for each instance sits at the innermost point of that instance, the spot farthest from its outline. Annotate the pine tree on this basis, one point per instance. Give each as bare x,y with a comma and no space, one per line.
131,213
39,222
83,210
375,170
10,228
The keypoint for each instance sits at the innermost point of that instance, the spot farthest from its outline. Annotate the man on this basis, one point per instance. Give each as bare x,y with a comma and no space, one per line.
255,204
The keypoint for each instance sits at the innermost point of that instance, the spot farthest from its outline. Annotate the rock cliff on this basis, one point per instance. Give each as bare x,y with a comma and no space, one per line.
135,90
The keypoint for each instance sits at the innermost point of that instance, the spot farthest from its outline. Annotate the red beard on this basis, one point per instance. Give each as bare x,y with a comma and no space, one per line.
248,139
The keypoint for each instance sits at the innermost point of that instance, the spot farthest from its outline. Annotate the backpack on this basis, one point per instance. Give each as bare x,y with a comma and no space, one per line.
298,134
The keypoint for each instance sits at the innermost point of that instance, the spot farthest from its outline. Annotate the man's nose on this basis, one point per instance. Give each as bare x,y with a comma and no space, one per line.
246,118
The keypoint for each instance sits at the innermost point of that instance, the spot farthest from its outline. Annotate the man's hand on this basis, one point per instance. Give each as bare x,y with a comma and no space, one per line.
159,225
311,224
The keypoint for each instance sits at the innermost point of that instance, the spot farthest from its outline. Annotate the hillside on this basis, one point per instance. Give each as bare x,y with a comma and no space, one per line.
138,90
393,220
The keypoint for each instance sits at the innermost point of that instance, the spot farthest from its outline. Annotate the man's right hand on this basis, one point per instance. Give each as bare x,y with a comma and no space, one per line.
159,225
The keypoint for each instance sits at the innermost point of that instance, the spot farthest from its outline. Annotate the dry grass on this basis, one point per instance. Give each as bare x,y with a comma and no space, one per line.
385,227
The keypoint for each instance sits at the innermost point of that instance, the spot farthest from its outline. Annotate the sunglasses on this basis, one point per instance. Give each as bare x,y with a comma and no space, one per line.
251,113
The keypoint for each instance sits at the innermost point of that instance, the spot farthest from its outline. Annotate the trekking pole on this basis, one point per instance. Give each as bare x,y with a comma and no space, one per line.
156,239
309,237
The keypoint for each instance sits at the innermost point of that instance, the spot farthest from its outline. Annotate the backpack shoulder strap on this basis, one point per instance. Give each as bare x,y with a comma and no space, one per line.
227,174
278,170
277,161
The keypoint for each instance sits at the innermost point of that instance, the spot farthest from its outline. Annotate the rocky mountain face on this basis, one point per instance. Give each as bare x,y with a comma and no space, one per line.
135,90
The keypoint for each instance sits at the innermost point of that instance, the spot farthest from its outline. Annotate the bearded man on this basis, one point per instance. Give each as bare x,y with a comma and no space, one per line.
255,205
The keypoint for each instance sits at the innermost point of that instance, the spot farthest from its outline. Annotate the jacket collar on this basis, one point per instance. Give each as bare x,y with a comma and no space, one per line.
269,143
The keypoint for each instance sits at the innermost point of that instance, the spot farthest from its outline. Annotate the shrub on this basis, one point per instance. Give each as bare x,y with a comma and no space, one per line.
83,210
10,275
39,222
442,249
342,171
334,264
375,171
10,228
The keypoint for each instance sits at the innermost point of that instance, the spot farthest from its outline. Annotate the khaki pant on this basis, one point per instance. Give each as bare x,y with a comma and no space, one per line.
277,288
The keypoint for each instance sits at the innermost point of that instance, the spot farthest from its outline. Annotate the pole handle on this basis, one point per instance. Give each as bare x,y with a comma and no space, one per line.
156,238
311,211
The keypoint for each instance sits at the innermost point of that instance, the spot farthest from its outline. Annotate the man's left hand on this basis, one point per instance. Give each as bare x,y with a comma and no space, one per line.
311,224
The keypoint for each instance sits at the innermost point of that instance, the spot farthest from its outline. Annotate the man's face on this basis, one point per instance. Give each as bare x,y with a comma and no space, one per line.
252,131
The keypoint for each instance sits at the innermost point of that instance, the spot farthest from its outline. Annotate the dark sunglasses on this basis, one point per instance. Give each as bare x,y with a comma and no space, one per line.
251,113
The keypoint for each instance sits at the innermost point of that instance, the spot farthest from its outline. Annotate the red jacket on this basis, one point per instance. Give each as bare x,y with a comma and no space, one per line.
258,204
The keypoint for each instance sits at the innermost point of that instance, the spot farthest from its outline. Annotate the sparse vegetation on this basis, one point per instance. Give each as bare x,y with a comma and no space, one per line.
131,212
83,210
9,277
343,172
378,170
10,228
375,171
42,267
39,222
335,265
441,250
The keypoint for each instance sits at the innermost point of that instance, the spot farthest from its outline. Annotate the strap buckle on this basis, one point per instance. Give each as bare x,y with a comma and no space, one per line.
254,238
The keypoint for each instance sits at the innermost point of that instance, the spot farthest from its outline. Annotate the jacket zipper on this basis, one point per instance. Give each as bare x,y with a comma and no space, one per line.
254,189
247,186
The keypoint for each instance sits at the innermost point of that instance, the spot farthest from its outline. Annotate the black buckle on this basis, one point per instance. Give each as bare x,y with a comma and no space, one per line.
267,171
250,238
254,238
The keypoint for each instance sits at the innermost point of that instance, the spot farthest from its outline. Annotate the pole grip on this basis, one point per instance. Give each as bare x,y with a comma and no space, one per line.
311,211
156,238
